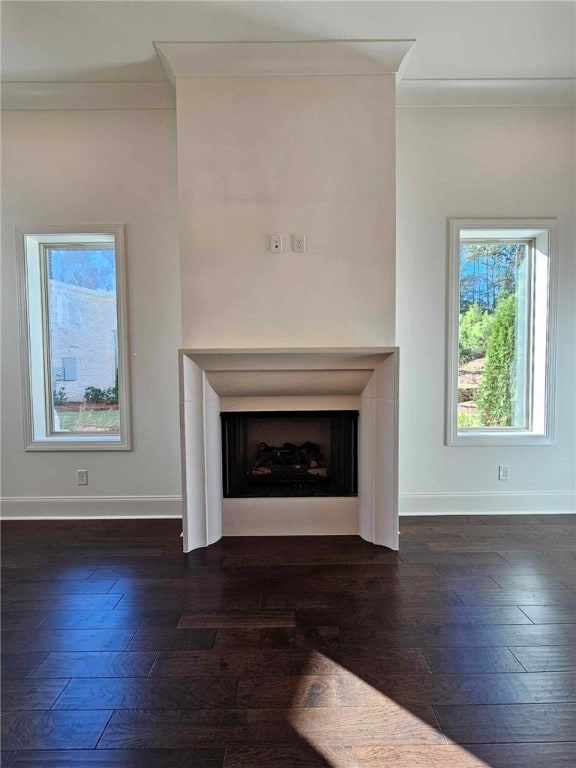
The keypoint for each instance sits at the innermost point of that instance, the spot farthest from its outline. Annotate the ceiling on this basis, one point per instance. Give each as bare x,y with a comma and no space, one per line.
470,46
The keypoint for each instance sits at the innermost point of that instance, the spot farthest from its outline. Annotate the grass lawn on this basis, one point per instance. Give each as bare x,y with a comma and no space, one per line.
90,421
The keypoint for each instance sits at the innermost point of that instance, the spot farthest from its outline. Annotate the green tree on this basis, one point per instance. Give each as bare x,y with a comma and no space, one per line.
475,326
497,392
488,270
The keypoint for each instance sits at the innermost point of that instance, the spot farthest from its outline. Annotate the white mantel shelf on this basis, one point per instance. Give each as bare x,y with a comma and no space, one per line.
333,355
289,379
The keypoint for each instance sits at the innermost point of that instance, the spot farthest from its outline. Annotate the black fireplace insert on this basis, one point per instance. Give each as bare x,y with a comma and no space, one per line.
289,453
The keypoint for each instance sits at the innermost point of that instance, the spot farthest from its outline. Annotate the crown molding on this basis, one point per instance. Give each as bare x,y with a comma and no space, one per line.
320,57
69,96
521,92
489,92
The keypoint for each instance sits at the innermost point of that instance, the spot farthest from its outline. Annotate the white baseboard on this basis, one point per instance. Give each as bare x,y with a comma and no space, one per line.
81,508
337,516
508,503
251,517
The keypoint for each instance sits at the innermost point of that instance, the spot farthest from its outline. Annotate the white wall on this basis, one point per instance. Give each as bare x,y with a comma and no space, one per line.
477,162
99,167
65,167
258,155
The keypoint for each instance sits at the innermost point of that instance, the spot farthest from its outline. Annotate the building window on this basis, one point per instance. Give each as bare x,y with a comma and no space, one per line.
74,339
501,324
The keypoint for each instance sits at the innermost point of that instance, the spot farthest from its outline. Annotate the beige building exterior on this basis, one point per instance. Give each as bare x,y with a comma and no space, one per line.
83,338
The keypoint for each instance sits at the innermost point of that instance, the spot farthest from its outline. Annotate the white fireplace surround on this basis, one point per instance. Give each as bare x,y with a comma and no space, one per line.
216,380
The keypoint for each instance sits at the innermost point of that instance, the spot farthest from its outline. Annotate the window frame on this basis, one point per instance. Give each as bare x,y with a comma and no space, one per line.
36,375
545,230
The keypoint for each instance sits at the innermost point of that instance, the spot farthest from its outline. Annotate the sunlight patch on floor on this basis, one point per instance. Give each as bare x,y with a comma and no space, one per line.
375,732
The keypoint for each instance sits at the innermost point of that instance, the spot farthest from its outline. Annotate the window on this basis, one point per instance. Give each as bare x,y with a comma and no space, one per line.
501,320
74,345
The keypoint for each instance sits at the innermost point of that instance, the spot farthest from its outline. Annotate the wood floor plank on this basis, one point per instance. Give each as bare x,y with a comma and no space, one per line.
207,583
281,691
17,664
452,558
98,664
15,619
197,602
149,693
375,664
37,589
559,755
472,660
53,573
162,639
164,729
64,602
560,658
460,689
550,614
525,723
125,758
455,635
31,694
263,560
398,756
249,637
67,640
281,756
477,544
263,618
414,615
112,619
528,581
320,638
559,519
343,601
526,597
53,730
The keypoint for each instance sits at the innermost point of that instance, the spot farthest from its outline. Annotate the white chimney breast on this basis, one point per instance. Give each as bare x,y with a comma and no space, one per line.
287,154
280,138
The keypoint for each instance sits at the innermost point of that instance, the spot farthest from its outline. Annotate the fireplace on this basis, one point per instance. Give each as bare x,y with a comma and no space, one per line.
333,409
289,454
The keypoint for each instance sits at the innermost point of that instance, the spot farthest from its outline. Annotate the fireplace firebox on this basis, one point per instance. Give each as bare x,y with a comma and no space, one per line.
289,453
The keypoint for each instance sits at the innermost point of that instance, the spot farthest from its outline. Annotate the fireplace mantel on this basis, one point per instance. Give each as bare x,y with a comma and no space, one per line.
289,379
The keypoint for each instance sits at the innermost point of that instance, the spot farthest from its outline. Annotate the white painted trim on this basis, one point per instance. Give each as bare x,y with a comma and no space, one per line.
487,503
74,442
91,96
487,92
410,93
490,438
284,58
81,508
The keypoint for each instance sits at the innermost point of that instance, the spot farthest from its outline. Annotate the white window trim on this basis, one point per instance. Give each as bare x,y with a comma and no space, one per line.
34,408
491,436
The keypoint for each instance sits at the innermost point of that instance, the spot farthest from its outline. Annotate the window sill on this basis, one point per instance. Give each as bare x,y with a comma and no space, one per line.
479,439
79,444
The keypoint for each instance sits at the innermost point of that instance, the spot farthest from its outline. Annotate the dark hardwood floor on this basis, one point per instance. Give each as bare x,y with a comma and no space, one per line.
119,651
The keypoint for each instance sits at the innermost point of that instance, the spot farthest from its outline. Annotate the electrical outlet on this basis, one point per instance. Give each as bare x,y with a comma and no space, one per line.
299,243
503,472
276,243
81,477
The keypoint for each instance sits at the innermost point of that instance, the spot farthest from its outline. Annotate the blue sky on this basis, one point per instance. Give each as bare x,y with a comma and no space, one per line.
90,268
